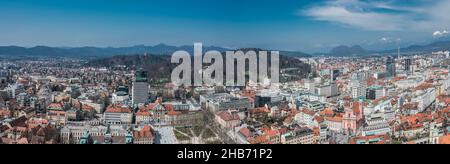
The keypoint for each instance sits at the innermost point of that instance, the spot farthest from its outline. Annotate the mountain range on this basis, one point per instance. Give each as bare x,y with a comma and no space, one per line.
163,49
413,49
160,49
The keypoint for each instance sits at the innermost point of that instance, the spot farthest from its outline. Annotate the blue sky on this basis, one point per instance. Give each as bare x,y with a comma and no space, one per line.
304,25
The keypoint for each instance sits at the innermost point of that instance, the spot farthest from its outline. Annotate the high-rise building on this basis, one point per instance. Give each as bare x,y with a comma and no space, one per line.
140,88
335,74
390,67
358,89
328,90
375,92
408,63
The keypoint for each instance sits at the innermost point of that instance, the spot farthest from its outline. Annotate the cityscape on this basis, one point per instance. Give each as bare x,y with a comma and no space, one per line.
398,93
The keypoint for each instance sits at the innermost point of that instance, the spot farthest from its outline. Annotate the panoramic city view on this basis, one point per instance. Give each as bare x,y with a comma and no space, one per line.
225,72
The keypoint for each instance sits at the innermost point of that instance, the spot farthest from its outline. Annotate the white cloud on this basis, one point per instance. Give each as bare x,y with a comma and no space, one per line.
372,15
366,20
389,40
438,34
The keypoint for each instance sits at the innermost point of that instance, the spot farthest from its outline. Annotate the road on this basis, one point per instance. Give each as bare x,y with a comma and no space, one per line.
165,135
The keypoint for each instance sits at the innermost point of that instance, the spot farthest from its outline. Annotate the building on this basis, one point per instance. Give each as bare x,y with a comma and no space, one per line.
425,98
116,114
225,101
328,90
408,63
376,139
143,115
184,118
375,92
391,67
334,123
335,74
121,95
349,122
143,135
358,89
57,114
95,135
74,115
315,106
375,125
298,136
267,97
306,118
140,88
227,119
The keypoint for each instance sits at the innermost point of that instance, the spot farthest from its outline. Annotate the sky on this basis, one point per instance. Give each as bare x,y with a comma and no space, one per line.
298,25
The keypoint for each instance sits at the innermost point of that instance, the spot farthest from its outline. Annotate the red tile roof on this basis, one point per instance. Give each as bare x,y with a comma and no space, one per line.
228,116
308,112
87,108
259,110
145,132
327,112
444,140
246,132
271,133
55,106
143,112
334,119
319,119
118,109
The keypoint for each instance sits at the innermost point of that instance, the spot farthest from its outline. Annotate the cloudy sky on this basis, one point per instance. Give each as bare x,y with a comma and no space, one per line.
310,26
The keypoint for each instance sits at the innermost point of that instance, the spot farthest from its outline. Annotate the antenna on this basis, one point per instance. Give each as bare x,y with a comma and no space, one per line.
398,53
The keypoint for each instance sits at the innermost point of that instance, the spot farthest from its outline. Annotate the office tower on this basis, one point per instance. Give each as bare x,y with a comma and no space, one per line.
358,89
375,92
408,63
140,88
335,74
390,67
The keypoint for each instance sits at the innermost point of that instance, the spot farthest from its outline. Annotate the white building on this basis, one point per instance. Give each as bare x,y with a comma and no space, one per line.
120,98
334,123
328,90
306,117
118,115
425,98
358,89
375,125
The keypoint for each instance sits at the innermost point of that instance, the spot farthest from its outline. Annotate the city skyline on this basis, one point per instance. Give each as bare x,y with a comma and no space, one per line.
308,26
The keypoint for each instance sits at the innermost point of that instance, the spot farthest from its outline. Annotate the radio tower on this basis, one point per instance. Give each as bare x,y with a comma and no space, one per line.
398,53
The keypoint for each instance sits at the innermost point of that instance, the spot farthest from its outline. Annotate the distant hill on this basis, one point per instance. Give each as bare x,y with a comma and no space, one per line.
294,54
348,51
432,47
440,45
163,49
159,66
160,49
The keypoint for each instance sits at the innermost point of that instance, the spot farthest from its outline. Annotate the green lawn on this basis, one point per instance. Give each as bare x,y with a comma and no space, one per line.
184,130
208,133
197,130
180,136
